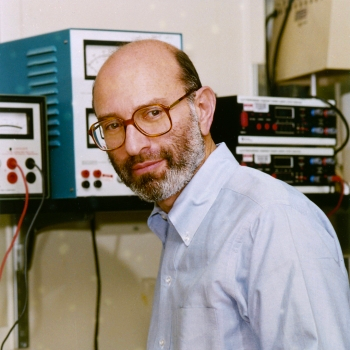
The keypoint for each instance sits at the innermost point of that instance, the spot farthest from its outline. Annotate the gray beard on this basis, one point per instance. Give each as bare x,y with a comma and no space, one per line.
183,159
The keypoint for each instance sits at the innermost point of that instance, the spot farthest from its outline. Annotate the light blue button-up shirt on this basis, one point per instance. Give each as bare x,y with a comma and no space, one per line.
249,263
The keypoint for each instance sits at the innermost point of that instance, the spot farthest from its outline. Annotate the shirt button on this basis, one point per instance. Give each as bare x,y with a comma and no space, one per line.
168,280
162,343
187,238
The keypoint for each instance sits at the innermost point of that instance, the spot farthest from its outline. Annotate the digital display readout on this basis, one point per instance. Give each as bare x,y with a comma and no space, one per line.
284,112
283,162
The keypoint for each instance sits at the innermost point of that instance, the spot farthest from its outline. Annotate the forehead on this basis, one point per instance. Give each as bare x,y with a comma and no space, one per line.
136,76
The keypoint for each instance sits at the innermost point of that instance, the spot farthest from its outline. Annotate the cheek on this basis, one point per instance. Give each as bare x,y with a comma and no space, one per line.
117,156
177,134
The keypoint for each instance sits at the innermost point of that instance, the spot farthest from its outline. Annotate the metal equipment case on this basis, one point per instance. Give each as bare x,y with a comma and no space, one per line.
62,66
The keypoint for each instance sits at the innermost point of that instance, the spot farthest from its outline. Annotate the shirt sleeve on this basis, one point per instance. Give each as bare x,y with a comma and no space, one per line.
296,289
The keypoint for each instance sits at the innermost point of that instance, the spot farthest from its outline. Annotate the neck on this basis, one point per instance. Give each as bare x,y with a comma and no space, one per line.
168,203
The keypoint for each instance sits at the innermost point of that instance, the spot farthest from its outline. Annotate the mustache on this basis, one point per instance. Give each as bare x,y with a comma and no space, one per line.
140,158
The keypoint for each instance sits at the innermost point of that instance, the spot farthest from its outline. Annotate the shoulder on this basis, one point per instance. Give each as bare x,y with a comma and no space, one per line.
271,206
263,190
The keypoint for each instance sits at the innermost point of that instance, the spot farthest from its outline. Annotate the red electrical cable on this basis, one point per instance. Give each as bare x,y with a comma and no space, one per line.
24,211
341,181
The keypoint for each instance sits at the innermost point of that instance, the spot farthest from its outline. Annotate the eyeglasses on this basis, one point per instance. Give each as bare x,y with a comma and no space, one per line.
153,120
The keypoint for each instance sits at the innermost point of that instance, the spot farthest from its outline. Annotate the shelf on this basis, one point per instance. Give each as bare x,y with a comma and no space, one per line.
77,205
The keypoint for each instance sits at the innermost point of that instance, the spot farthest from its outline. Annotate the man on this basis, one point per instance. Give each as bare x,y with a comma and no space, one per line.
248,262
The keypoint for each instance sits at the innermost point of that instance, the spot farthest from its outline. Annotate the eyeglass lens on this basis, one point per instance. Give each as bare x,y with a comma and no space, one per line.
151,121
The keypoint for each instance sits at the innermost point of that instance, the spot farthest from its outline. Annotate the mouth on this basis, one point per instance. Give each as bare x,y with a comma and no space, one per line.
147,167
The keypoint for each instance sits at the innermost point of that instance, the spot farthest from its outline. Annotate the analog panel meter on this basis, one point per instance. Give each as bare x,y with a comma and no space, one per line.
16,123
96,53
90,119
23,147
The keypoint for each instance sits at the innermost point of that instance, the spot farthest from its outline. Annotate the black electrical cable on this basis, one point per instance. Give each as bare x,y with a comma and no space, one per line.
267,50
25,266
98,277
271,80
277,47
342,117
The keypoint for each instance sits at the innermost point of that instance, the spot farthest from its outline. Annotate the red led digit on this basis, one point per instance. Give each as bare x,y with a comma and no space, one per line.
244,119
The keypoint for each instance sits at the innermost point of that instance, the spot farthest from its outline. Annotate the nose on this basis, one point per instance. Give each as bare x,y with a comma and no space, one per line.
135,141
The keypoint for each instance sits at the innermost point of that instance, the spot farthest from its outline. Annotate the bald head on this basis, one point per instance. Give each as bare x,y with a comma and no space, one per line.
150,55
147,50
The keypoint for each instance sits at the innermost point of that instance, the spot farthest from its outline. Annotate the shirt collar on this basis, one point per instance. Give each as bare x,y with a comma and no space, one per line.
197,197
158,223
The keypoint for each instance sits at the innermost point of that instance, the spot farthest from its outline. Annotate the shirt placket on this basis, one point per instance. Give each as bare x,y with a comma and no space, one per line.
167,276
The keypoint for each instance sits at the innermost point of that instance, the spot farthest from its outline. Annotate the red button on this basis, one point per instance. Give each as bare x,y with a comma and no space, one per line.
12,177
12,163
85,173
267,126
258,126
244,119
97,173
274,127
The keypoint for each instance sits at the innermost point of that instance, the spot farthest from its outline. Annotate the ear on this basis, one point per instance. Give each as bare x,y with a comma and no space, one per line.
205,102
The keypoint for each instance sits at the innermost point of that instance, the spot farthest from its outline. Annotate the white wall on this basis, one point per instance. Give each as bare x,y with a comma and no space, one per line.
63,284
224,38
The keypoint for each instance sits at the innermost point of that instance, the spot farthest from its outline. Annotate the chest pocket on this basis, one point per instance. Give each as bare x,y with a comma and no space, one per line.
196,328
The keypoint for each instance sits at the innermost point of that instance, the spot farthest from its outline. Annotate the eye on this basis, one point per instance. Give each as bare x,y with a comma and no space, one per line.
151,113
112,125
154,113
